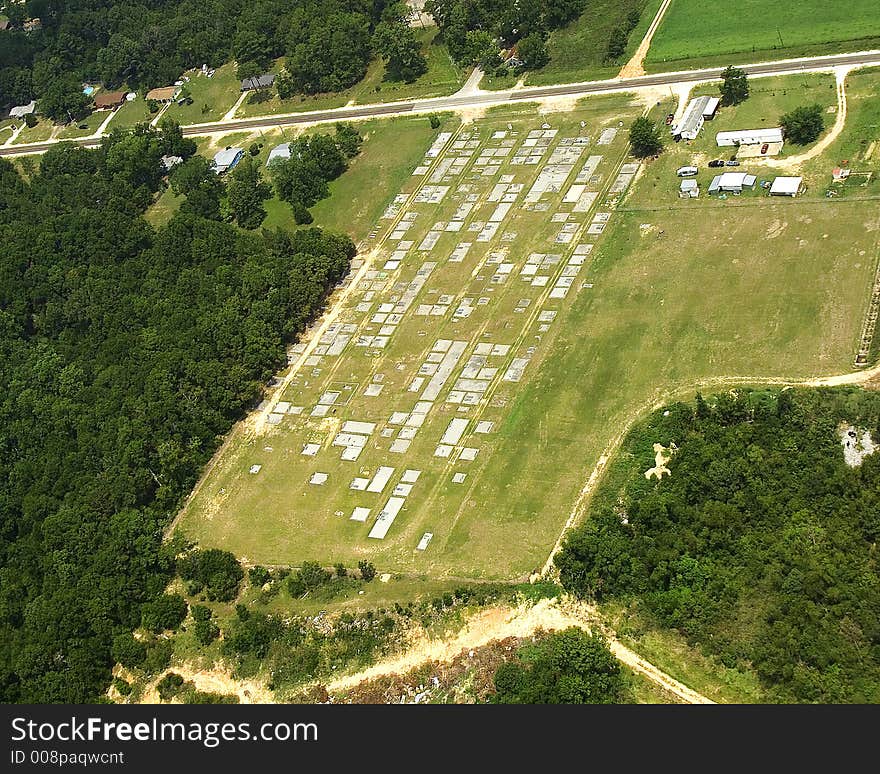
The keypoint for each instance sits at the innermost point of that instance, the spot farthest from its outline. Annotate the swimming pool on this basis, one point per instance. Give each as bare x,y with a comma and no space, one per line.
89,90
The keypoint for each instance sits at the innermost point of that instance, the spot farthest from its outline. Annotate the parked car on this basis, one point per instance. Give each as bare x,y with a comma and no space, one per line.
765,147
687,171
716,163
731,163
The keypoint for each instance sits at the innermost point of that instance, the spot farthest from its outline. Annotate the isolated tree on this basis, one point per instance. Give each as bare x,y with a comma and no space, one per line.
348,140
396,42
734,86
645,138
533,52
245,193
803,125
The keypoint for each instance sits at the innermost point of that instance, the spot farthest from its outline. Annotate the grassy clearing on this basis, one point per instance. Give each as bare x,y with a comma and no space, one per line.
131,113
39,133
442,78
163,209
212,97
92,123
577,52
669,652
709,32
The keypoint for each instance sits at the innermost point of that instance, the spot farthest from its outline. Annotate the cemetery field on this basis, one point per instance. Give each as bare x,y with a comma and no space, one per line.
516,312
703,33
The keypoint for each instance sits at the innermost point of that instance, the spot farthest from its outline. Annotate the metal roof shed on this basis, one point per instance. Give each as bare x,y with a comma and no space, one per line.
226,159
279,152
787,186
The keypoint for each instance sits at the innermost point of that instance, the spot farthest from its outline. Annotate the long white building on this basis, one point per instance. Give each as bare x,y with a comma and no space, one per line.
748,137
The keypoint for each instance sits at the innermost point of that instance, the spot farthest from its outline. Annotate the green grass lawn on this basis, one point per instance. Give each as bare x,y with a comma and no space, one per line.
42,131
212,97
442,78
577,52
163,209
783,288
93,121
711,32
131,113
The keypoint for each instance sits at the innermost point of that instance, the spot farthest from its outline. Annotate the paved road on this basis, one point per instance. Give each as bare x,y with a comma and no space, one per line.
491,98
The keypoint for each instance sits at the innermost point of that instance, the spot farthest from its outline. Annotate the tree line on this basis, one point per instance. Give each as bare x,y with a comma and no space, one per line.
328,45
125,355
759,546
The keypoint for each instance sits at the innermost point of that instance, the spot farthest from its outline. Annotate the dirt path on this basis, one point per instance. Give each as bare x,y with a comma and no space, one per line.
635,66
792,162
499,623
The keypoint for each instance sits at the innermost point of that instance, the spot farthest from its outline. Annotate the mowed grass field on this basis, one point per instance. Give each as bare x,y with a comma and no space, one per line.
707,32
677,296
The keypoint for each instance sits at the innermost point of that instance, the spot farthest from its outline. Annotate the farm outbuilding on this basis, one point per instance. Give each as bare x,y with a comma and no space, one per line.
732,182
689,189
787,186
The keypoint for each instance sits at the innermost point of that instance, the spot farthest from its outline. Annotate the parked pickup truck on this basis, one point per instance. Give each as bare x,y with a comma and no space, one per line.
687,171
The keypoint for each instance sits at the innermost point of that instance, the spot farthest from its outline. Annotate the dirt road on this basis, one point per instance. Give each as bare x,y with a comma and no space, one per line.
635,67
499,623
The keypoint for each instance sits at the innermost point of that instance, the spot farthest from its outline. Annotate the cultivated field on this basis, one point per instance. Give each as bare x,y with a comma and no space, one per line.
673,293
712,30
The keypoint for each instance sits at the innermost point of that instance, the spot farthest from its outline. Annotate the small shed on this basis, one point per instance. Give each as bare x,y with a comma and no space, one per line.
279,152
689,189
226,159
263,81
787,186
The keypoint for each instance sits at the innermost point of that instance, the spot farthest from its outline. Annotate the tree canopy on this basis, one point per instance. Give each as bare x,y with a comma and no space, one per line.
759,546
645,138
803,125
125,355
734,86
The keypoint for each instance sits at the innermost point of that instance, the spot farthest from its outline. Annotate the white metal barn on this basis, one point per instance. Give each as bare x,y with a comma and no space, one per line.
787,186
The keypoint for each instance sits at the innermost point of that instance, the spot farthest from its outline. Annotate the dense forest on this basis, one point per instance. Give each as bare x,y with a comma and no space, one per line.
125,354
760,546
475,30
328,44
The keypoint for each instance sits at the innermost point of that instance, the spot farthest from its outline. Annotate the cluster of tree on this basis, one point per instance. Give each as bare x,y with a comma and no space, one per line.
328,44
475,31
645,138
311,578
173,686
567,667
213,572
293,650
803,125
619,37
760,547
734,86
302,180
125,355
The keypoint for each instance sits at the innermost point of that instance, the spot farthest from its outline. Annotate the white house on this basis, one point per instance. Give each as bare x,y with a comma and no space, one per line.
696,113
787,186
226,159
748,137
732,182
